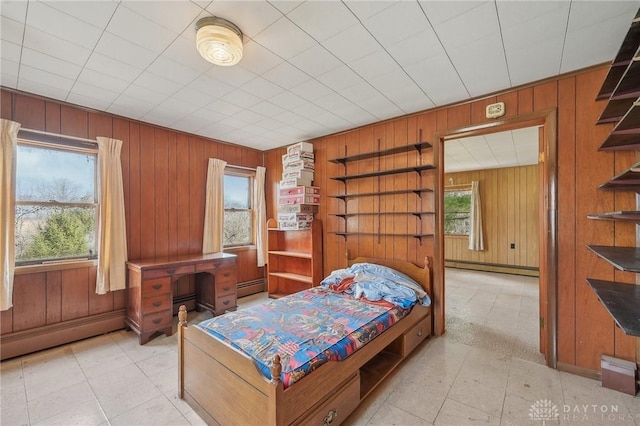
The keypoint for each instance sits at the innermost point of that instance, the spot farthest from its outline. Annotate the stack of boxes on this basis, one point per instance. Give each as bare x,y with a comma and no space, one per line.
298,199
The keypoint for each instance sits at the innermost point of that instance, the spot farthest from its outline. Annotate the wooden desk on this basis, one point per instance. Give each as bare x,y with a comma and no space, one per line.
149,290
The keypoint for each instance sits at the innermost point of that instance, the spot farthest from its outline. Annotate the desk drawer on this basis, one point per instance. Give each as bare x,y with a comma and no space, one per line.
156,321
337,408
415,335
169,271
225,303
156,304
225,275
206,266
225,288
156,286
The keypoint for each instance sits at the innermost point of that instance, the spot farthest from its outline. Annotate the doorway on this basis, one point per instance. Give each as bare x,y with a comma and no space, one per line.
546,120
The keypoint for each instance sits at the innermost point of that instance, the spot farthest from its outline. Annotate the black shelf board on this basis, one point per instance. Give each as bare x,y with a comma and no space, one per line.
374,234
343,215
615,110
621,141
390,151
630,123
622,301
623,258
416,191
611,80
385,172
628,178
631,215
629,84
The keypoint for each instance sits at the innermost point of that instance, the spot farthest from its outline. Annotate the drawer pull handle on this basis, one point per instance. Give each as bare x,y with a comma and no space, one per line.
157,320
171,271
226,288
157,286
226,274
156,304
420,333
330,417
226,302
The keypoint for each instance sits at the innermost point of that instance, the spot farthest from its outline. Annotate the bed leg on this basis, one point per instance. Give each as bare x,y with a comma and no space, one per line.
182,324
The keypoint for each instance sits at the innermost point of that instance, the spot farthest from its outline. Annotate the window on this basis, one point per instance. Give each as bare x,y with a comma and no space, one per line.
238,207
457,212
56,204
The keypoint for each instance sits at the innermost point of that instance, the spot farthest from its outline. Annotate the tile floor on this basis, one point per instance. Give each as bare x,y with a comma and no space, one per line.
485,370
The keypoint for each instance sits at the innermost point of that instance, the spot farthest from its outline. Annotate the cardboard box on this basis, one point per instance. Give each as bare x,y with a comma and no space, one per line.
295,217
618,374
293,182
300,174
300,190
300,146
299,199
298,208
296,156
299,166
294,225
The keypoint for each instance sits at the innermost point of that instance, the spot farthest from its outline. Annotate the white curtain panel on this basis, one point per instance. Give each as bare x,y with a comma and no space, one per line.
112,230
9,131
260,215
476,237
213,238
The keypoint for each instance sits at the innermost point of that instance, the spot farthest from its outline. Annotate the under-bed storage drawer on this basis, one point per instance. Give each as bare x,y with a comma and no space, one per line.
337,408
415,335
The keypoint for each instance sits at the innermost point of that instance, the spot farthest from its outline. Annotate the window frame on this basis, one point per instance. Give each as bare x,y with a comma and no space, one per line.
251,175
456,188
62,144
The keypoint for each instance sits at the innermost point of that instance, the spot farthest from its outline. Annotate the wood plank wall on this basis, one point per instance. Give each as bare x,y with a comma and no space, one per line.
164,175
585,329
509,199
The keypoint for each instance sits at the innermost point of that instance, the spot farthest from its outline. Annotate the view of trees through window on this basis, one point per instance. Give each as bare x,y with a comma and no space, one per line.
457,208
238,216
55,204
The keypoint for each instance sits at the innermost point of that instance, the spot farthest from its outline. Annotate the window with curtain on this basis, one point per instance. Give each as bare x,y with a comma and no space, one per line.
457,211
238,207
56,202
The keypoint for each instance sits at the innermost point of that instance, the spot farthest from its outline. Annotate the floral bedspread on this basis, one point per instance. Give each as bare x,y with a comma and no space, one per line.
305,329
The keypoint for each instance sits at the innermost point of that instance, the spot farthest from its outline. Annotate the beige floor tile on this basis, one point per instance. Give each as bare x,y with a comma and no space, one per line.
50,371
158,411
11,371
12,394
85,414
532,382
159,363
59,401
423,397
454,413
15,414
390,415
518,411
128,342
195,420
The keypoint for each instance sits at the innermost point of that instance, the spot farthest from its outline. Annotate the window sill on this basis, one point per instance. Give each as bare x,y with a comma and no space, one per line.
456,236
239,248
48,267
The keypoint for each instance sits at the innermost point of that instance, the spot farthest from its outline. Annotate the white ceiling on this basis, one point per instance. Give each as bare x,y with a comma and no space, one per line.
492,151
310,68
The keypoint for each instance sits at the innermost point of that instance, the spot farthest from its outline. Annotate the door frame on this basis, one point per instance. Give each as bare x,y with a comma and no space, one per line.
548,247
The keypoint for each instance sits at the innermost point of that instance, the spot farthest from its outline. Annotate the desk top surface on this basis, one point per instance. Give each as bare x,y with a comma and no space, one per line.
177,260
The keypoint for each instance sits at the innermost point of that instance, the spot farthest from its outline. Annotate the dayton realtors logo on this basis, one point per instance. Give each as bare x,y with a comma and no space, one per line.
546,411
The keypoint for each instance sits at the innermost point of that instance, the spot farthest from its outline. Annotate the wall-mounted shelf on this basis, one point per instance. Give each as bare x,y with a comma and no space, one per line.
344,215
372,234
417,191
416,169
615,110
390,151
632,215
622,301
629,179
623,258
626,134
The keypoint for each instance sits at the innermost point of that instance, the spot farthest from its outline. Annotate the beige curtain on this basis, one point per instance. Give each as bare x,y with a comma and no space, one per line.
9,131
213,238
476,238
260,215
112,231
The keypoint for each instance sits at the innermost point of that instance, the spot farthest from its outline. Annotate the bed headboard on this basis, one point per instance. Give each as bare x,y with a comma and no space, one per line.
421,275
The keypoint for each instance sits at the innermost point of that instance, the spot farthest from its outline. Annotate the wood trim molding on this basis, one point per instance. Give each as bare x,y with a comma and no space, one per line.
27,341
579,371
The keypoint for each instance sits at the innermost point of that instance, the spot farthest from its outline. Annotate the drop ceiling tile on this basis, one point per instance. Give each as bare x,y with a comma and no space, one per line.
134,27
88,101
131,106
94,91
267,109
15,10
47,78
523,70
262,88
382,108
31,86
393,81
311,90
322,20
189,124
549,27
176,109
10,51
359,93
527,133
356,115
249,116
287,100
203,4
159,84
175,16
12,31
223,107
235,76
285,6
61,25
250,16
50,64
442,11
270,124
340,78
374,65
241,98
173,70
411,99
396,23
286,75
478,23
125,51
416,48
45,43
283,29
211,87
196,97
183,51
315,61
149,97
102,80
586,14
287,117
366,9
95,12
258,59
9,74
439,80
233,123
112,67
351,44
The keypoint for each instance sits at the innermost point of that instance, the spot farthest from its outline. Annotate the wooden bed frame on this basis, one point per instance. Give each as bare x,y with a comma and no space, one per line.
223,385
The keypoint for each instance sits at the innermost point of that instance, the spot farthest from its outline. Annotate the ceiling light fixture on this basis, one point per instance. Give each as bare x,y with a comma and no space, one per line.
219,41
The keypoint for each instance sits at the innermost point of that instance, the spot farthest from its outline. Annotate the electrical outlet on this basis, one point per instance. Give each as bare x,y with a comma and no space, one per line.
513,245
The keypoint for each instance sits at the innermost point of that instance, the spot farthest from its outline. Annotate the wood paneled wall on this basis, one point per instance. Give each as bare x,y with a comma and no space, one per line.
585,329
164,174
509,199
